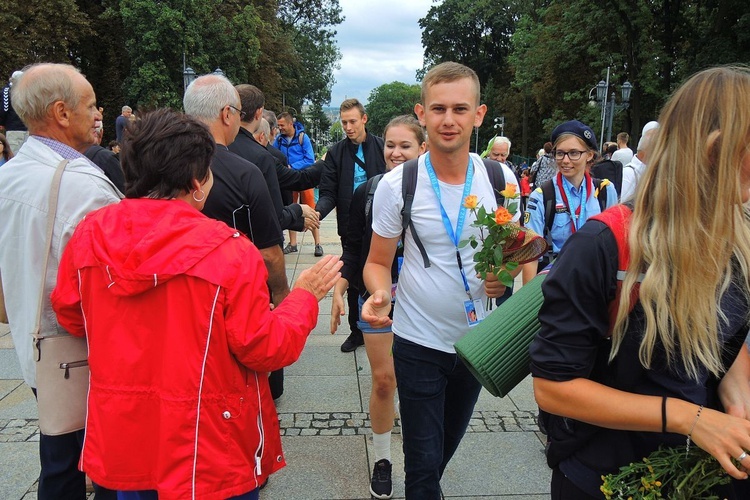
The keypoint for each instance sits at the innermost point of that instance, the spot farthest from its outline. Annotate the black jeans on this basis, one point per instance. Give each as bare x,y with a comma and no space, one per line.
352,302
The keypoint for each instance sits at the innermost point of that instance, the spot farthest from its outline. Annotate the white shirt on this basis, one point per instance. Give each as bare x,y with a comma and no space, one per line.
429,307
630,176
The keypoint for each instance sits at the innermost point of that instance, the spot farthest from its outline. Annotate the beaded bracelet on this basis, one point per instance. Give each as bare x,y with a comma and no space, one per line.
687,443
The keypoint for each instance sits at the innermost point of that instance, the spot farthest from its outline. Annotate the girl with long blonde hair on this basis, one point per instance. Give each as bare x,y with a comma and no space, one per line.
663,377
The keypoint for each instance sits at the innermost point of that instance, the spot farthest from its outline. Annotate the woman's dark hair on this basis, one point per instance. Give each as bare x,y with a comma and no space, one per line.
163,152
7,152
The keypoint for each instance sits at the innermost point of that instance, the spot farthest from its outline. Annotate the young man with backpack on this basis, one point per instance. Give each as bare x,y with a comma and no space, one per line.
294,143
436,391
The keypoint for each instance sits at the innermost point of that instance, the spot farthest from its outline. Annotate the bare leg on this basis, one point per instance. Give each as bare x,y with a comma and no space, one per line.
379,351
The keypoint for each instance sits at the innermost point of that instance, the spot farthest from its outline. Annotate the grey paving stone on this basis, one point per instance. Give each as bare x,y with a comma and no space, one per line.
317,393
508,463
19,403
321,467
523,395
8,386
320,360
9,367
19,463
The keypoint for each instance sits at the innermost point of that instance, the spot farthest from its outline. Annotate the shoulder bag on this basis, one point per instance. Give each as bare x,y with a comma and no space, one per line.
62,371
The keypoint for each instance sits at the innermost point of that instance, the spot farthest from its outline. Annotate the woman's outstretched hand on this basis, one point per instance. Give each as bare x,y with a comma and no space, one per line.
321,277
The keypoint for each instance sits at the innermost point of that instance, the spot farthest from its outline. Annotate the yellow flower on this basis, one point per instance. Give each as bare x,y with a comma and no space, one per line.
509,191
471,202
502,216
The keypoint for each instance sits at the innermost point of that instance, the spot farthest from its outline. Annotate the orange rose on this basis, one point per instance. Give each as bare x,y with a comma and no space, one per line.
509,191
471,202
502,216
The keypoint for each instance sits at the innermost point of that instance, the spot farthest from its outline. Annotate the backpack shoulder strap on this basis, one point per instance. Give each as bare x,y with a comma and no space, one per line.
497,179
548,198
408,187
301,138
617,219
601,192
372,185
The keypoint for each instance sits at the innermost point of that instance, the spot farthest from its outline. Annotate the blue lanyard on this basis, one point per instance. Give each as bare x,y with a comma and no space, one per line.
579,216
454,236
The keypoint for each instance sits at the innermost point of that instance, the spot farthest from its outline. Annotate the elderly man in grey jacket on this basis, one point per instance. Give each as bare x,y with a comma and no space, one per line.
58,106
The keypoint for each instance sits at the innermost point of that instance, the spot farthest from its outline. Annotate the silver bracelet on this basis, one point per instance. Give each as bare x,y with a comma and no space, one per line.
687,443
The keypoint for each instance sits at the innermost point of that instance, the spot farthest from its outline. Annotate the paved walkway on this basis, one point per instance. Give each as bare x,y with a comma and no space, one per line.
325,425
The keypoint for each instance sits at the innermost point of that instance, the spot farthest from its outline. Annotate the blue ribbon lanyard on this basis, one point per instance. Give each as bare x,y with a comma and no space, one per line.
580,213
454,236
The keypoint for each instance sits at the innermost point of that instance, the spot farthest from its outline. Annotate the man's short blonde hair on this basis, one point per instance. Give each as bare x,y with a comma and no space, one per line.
448,72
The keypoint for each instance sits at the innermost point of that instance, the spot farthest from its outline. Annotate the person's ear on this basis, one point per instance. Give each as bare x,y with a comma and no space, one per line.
60,113
419,111
479,118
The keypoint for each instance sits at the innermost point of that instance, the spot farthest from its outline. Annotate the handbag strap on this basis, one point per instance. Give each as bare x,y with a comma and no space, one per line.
53,195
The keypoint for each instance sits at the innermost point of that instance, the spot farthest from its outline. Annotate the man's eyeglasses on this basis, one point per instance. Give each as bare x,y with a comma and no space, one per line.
242,113
572,154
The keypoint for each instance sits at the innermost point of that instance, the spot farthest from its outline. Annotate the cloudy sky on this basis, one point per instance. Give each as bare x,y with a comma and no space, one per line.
380,42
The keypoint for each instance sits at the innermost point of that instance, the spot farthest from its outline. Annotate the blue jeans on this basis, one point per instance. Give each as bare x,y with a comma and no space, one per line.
152,495
437,394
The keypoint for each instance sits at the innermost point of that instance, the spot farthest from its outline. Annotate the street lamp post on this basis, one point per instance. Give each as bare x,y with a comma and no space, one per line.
609,104
500,124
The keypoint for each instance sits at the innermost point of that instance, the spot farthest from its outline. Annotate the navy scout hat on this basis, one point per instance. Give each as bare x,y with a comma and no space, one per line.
578,129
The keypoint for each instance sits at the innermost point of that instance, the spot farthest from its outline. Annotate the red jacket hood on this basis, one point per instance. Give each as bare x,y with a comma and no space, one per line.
142,243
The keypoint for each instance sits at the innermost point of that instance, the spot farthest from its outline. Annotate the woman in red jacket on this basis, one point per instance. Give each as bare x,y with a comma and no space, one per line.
175,308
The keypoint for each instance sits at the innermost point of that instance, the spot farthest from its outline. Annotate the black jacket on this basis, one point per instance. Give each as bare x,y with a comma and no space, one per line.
109,163
337,182
245,145
8,117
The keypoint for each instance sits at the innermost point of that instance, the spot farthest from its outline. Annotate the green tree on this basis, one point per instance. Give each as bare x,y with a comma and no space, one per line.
472,32
211,33
308,25
653,45
103,60
317,124
40,31
389,100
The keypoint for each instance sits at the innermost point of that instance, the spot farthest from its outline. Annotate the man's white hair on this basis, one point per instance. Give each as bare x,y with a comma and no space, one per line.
208,95
501,140
645,140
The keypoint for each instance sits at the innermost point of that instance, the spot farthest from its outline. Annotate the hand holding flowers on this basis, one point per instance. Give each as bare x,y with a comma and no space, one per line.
504,244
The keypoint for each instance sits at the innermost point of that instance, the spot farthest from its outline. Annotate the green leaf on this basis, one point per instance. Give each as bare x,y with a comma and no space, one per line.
474,243
510,266
463,243
505,278
498,254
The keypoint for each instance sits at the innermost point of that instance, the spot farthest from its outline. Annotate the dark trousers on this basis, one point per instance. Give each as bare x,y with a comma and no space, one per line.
352,302
276,383
562,488
153,495
437,394
59,478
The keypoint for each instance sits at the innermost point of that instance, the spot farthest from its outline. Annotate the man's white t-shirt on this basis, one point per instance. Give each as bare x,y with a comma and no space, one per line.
429,307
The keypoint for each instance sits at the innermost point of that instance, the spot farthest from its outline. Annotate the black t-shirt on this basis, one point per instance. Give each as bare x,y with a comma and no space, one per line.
240,198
